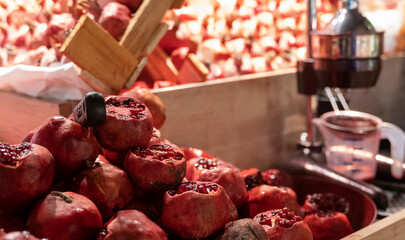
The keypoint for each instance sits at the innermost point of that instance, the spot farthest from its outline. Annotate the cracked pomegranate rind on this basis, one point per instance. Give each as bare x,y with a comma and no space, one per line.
26,173
283,224
156,169
197,210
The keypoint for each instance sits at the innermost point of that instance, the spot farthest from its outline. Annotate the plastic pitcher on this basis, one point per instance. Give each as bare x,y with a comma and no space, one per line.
352,140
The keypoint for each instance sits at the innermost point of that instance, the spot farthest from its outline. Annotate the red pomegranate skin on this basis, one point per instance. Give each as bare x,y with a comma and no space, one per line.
65,218
115,158
26,179
264,198
115,18
190,153
12,221
197,210
212,170
295,228
330,226
70,144
16,235
106,185
146,205
128,124
156,169
153,102
245,228
131,224
277,177
156,138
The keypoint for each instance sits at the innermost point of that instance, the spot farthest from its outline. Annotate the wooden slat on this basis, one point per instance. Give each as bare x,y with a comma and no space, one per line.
142,26
193,70
158,66
389,228
91,48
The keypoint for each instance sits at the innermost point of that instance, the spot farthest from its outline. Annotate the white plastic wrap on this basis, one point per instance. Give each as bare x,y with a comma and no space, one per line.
59,81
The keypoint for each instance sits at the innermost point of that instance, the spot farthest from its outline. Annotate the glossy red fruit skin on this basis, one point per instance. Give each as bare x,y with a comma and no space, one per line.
29,180
329,227
153,175
190,153
298,230
57,219
156,137
193,215
70,144
230,179
118,134
264,198
105,185
277,177
18,236
245,228
131,224
115,158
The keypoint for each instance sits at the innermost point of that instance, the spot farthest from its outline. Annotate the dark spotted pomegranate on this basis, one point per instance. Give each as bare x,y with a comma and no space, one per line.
264,198
105,185
156,169
217,171
26,174
128,124
253,178
325,202
70,143
197,210
131,224
245,228
65,216
283,224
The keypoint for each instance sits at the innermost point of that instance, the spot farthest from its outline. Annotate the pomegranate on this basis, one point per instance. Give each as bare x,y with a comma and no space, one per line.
115,18
212,170
153,102
25,235
328,225
283,224
65,216
197,210
243,229
156,169
253,178
106,185
264,198
190,153
324,202
115,158
29,135
277,177
146,205
128,124
26,173
131,224
325,214
156,138
12,221
206,163
70,144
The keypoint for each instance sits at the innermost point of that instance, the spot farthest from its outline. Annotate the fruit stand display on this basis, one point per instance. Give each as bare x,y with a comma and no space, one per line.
195,161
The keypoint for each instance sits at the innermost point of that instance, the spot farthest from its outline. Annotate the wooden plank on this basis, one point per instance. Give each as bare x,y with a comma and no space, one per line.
158,66
92,49
192,70
143,24
391,228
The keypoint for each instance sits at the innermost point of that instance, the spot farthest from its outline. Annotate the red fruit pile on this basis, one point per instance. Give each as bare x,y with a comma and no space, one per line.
67,181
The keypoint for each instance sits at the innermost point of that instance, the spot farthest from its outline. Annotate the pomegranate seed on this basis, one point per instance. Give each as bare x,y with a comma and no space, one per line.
10,155
206,163
113,102
203,188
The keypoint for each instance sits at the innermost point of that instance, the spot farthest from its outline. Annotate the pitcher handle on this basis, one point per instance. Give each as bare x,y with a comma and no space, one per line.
396,137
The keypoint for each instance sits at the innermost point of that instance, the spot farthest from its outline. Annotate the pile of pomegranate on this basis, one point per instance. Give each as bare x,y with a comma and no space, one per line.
121,179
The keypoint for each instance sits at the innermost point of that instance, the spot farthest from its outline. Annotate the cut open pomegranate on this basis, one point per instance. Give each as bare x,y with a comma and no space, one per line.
283,224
